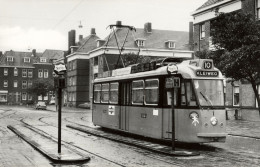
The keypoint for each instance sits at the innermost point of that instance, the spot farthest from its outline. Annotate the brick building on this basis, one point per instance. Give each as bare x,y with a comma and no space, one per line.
17,72
78,68
240,93
92,56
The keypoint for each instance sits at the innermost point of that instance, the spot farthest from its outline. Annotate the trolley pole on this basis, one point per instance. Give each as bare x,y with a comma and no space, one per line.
173,121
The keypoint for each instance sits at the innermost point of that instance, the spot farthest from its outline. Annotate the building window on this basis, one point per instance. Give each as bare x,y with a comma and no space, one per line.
24,73
171,44
15,84
3,97
24,84
46,74
15,71
202,31
26,59
140,42
29,84
74,80
236,95
40,73
24,96
30,73
43,59
29,97
74,65
96,61
5,71
10,59
5,83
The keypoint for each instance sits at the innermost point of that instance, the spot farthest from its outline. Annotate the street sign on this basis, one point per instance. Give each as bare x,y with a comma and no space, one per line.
60,69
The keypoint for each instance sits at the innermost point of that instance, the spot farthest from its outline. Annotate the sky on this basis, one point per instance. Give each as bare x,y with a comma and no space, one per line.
44,24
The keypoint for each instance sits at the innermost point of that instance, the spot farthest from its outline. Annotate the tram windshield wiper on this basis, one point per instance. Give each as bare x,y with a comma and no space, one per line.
207,99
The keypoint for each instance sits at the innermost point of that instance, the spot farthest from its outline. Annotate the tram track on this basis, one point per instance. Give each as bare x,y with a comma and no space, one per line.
148,154
217,153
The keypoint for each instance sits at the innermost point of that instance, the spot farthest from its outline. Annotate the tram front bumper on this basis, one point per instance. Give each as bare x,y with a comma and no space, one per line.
212,135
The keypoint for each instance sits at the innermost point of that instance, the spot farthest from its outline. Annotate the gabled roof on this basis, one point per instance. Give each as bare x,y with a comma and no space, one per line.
52,55
88,43
209,3
18,58
153,40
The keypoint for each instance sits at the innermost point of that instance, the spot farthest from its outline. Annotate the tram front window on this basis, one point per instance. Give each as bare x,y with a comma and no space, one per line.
209,92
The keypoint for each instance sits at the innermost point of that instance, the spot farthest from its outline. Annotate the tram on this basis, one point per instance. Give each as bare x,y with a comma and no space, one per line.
140,100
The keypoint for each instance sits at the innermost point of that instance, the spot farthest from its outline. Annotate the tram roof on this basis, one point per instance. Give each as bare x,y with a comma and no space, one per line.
188,69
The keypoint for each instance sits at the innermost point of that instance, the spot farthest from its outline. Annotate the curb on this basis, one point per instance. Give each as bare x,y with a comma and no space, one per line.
53,157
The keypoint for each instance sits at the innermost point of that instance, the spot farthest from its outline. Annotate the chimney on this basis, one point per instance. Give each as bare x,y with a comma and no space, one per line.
148,27
118,24
34,52
80,37
93,31
71,40
191,36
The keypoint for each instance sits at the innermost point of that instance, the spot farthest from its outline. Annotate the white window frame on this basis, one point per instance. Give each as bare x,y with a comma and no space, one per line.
5,71
202,31
235,88
30,73
24,72
9,59
24,84
29,97
5,83
26,60
45,73
140,42
16,72
43,59
24,96
15,83
29,83
40,73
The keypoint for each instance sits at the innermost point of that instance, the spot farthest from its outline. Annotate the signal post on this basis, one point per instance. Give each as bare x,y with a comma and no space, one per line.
59,82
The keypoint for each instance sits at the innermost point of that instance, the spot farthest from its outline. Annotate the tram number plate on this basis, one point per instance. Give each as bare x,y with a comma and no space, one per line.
172,82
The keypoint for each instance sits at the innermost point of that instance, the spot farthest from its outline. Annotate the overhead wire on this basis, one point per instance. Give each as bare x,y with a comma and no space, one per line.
74,8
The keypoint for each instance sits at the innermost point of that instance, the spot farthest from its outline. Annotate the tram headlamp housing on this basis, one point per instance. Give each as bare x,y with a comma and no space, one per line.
214,121
193,115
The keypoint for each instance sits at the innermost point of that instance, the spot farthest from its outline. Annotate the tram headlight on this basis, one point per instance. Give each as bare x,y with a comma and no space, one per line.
194,115
214,121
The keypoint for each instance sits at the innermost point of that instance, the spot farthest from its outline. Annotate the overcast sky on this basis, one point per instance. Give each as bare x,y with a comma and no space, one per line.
44,24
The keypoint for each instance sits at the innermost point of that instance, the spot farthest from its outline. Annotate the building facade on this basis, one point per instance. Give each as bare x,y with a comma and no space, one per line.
239,94
18,70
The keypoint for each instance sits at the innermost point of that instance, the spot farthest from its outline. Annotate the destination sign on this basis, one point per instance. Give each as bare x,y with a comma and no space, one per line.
201,73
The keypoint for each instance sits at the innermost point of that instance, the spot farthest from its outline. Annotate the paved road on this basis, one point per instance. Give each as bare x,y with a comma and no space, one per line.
15,152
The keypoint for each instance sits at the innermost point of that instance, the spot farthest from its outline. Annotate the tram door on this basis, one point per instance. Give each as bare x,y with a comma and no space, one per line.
125,97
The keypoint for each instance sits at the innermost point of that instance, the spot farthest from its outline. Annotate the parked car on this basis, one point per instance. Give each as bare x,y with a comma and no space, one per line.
41,105
52,102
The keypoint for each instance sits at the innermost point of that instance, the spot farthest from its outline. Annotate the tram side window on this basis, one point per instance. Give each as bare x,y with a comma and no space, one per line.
105,93
191,98
183,97
114,93
97,93
151,91
138,92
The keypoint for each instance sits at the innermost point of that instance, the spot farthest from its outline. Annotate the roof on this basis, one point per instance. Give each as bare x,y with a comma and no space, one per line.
18,58
88,43
153,40
209,3
53,54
